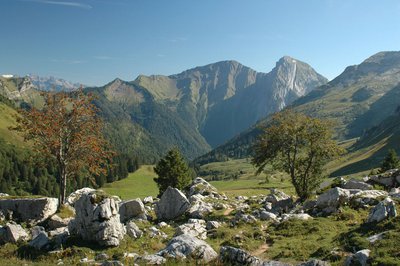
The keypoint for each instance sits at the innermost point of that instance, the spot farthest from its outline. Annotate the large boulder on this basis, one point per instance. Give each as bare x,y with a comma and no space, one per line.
367,197
193,227
333,198
173,203
29,210
133,230
315,262
238,257
97,219
357,184
385,209
132,209
41,241
12,233
187,246
74,196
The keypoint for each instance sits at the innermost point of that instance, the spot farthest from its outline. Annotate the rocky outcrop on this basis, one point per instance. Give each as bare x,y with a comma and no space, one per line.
278,202
384,210
200,209
356,184
29,210
296,216
41,241
97,219
315,262
332,199
74,196
202,187
193,227
187,246
132,209
238,257
173,203
390,178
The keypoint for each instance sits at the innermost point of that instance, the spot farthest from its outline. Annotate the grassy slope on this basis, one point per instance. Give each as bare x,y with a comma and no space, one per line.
137,185
7,119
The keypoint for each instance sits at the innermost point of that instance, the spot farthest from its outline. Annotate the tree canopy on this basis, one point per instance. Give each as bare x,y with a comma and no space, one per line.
68,131
391,161
298,145
172,170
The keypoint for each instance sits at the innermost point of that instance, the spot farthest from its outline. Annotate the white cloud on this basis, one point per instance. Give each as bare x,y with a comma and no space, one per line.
102,57
62,3
71,62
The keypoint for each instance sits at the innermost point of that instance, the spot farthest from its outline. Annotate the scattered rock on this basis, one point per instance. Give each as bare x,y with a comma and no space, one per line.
74,196
148,199
359,258
376,237
101,256
200,209
154,232
211,225
36,230
133,230
296,216
162,224
202,187
268,216
333,198
132,209
194,227
315,262
30,210
385,209
41,241
188,246
56,221
151,260
240,216
356,184
97,219
12,233
112,263
238,257
279,201
173,203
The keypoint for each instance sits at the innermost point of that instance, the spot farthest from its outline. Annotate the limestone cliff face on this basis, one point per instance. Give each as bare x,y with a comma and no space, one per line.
224,98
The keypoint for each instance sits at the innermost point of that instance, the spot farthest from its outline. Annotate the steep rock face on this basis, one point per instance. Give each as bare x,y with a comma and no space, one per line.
225,98
53,84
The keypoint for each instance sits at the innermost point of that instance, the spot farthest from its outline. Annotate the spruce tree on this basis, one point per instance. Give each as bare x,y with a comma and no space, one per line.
391,161
173,171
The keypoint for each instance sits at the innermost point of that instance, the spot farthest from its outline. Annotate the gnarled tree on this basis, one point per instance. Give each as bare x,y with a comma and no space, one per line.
68,131
298,145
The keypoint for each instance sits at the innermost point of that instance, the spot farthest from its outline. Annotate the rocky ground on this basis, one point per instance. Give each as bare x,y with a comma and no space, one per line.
350,222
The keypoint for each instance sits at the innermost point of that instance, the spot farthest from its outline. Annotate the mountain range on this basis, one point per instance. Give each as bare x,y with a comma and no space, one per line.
215,112
363,102
195,110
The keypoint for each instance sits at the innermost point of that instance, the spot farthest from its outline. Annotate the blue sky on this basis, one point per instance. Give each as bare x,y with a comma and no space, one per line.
95,41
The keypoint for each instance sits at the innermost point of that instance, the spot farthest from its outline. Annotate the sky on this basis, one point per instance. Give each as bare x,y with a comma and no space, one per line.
96,41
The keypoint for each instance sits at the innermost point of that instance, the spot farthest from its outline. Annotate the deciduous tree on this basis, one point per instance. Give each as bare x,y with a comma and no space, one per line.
298,145
68,131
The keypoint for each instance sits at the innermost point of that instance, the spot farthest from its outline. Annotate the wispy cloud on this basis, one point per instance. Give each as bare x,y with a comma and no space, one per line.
64,61
161,55
103,57
61,3
178,39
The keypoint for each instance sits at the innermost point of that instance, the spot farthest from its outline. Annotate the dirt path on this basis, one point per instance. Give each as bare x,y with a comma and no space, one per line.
261,249
228,211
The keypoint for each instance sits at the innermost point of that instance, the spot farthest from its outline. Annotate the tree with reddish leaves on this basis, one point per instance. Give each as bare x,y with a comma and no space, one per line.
68,131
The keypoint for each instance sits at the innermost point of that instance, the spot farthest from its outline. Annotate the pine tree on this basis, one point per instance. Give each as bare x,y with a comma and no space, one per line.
391,161
173,171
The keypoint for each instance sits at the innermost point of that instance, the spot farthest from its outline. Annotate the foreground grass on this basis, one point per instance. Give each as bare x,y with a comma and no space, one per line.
137,185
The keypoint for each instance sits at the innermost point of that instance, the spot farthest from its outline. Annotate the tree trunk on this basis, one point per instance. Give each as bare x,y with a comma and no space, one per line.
63,186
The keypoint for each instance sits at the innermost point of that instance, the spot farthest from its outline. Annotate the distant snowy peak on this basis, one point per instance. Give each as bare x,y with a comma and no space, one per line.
53,84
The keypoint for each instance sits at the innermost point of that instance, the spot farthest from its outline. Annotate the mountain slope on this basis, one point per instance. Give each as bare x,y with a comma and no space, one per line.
224,98
52,83
360,98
